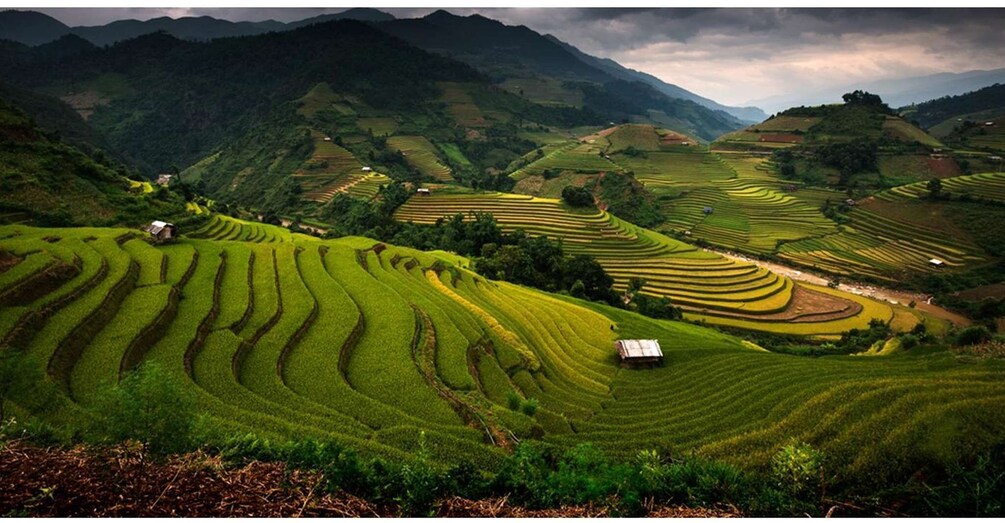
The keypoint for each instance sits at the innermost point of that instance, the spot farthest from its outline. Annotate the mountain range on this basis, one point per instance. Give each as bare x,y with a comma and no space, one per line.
896,92
473,38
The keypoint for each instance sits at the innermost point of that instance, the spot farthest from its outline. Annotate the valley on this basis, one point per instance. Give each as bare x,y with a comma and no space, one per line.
407,257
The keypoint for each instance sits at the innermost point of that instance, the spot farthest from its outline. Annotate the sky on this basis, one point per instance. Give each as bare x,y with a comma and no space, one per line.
734,56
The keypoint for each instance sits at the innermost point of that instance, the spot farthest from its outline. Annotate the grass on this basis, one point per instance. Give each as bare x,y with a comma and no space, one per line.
422,155
330,349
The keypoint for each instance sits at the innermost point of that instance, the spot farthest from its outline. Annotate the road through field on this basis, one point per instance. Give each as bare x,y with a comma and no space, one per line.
922,301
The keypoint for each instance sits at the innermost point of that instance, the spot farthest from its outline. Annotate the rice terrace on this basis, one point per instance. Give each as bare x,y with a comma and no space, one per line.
448,265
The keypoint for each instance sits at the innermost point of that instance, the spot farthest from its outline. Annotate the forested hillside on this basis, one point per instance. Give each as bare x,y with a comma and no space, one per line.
48,181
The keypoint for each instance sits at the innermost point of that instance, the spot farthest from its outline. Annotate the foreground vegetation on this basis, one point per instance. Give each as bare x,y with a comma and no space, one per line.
403,355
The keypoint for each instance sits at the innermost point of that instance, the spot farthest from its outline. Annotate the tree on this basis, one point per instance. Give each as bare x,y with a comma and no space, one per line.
577,196
934,188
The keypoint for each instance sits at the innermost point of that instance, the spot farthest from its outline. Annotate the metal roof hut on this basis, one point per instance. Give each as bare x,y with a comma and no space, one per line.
162,231
935,262
639,352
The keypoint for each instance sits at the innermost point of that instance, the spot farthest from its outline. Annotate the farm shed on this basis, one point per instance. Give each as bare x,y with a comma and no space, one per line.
633,352
707,210
423,191
935,262
366,169
164,179
162,231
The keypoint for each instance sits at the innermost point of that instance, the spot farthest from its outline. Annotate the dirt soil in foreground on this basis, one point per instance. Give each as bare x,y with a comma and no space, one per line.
121,482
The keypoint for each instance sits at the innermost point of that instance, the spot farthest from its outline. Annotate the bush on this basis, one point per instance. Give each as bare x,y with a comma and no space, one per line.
577,196
797,468
973,335
529,407
513,400
149,406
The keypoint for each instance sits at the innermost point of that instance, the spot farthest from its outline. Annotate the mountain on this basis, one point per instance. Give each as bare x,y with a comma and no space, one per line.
30,27
898,92
165,101
747,114
187,28
986,103
34,28
516,56
48,180
500,51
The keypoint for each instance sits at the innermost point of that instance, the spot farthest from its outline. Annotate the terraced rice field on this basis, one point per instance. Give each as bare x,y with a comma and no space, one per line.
421,154
751,209
707,285
378,126
328,169
881,247
898,129
460,106
223,227
574,156
990,186
365,344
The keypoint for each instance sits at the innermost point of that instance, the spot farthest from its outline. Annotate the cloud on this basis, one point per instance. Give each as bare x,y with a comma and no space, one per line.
731,55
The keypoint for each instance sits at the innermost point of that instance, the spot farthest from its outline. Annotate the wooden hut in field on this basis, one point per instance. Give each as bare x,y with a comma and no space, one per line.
639,352
937,263
422,191
162,231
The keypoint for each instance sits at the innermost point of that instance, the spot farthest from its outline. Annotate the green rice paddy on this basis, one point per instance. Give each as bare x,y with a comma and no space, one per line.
349,340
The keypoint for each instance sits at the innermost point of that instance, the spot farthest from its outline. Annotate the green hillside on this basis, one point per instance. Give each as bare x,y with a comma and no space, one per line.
371,345
44,180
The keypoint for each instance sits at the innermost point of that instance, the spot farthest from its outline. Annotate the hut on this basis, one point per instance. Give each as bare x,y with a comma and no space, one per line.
162,231
639,352
422,191
707,210
367,169
935,262
164,179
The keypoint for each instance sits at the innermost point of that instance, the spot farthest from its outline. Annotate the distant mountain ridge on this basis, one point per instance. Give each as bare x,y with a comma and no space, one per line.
747,114
430,32
34,28
897,92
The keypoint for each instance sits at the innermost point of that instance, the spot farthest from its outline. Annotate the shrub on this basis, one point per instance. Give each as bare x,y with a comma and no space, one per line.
149,406
973,335
797,468
529,407
577,196
513,400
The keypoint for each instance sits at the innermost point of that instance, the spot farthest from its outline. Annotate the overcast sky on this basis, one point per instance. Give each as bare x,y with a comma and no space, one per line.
730,55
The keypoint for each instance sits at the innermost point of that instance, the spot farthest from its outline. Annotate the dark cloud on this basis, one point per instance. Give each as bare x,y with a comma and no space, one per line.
732,55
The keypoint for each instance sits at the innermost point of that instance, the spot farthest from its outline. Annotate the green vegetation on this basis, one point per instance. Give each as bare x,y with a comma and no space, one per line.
410,343
705,285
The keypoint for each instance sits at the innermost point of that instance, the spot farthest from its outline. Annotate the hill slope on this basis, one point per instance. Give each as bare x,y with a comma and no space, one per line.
372,345
47,181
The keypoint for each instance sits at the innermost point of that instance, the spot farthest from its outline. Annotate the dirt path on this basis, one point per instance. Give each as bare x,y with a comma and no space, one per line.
923,302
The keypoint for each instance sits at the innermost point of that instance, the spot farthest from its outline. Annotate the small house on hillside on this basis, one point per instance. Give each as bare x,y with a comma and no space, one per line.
422,191
164,179
367,169
850,202
162,231
639,352
935,262
328,138
707,210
